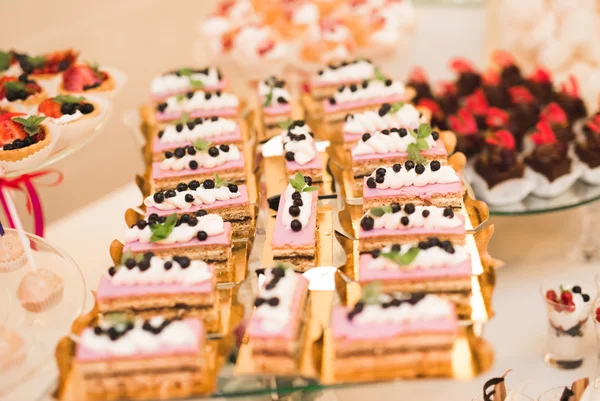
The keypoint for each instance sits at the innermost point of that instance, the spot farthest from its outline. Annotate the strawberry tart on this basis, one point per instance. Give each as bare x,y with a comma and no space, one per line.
86,78
20,94
47,66
21,136
68,109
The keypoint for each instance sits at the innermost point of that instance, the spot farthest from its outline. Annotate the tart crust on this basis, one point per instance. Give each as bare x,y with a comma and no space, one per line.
20,154
106,86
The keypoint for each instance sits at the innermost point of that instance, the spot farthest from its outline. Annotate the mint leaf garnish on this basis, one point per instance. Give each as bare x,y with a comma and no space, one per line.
117,318
300,185
371,293
185,72
4,61
185,117
396,107
129,255
268,98
422,144
414,153
379,75
180,97
424,130
31,124
285,124
380,211
219,182
402,258
162,231
201,145
69,99
14,86
196,83
36,61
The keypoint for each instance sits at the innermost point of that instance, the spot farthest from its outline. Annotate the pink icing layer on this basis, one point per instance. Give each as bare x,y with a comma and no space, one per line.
392,271
293,167
218,139
289,329
108,290
332,108
242,200
164,95
437,150
234,164
424,192
284,237
176,115
275,110
221,239
84,354
344,331
377,232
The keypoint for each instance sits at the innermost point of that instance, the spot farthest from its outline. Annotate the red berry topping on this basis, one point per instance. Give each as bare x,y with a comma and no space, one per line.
594,124
11,130
541,76
431,105
504,139
447,88
79,78
520,94
491,78
461,66
417,75
496,118
463,123
551,295
566,297
265,47
554,114
476,103
570,87
544,134
502,58
50,108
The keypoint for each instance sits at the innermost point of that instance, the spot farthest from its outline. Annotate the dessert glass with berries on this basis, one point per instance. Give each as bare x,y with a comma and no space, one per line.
568,304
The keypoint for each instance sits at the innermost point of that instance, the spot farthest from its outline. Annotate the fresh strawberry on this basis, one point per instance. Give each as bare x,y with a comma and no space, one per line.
551,295
417,75
505,140
566,297
541,76
11,130
502,58
520,94
461,65
80,77
51,63
544,134
50,108
554,114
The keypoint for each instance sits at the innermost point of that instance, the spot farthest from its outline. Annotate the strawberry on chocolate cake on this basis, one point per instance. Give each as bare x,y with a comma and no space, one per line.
569,98
554,171
417,79
524,113
587,149
499,175
468,138
540,85
556,117
447,98
468,79
510,73
438,118
477,105
495,93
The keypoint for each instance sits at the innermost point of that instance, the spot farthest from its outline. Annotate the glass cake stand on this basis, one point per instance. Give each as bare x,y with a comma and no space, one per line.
40,331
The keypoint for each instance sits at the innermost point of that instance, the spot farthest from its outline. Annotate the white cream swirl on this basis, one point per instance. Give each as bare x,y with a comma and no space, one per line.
207,129
433,219
212,224
376,89
405,178
274,318
429,258
567,319
201,196
369,121
171,82
430,307
202,101
352,72
67,118
265,88
203,159
305,209
177,334
381,144
197,272
304,150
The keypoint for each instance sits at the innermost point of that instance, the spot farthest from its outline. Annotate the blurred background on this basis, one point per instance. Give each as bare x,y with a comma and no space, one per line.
144,38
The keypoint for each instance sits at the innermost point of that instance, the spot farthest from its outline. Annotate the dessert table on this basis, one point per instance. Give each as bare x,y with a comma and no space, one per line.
533,247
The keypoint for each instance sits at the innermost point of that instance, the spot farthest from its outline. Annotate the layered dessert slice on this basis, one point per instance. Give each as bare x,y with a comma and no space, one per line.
402,335
185,80
228,200
198,104
387,117
277,327
421,184
173,286
301,154
143,359
200,161
205,237
186,131
430,266
392,224
326,81
295,238
275,103
355,98
396,145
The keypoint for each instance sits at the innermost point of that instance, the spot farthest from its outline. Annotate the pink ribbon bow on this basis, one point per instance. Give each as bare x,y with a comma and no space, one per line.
25,184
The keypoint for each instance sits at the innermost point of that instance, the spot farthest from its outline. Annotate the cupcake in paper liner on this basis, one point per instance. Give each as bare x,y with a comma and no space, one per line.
40,290
587,150
75,115
554,171
83,79
498,175
12,255
25,141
